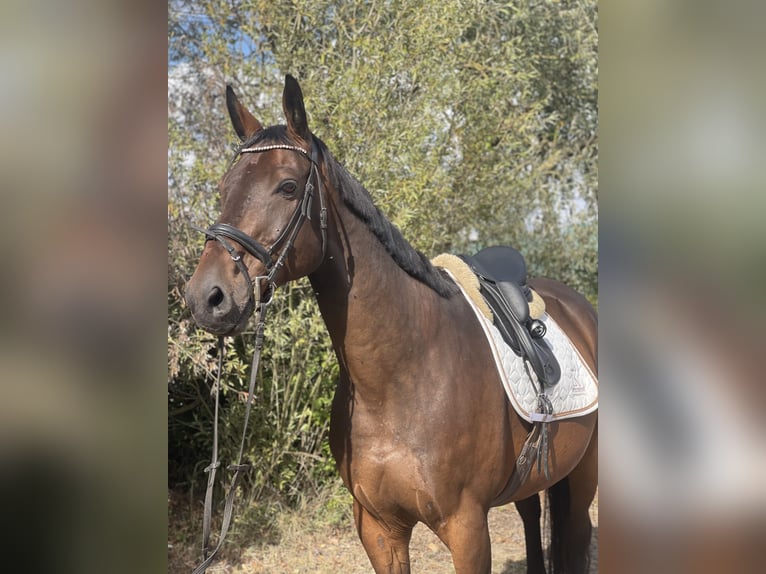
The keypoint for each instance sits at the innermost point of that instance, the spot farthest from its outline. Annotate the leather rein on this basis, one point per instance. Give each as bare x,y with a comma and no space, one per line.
259,301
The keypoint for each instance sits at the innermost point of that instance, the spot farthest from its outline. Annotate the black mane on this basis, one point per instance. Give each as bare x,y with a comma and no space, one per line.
359,201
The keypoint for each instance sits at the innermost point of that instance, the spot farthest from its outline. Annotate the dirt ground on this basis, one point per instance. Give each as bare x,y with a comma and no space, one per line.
305,545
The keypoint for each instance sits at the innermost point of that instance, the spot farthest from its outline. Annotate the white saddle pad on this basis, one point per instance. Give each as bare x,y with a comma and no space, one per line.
576,393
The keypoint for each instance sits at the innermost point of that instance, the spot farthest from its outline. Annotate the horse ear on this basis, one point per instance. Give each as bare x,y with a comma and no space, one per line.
295,112
243,121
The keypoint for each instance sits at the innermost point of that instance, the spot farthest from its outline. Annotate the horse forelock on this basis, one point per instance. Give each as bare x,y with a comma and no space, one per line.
273,135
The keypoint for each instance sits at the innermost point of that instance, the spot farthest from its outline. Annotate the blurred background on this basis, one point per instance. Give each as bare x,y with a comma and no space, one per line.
682,256
83,144
85,120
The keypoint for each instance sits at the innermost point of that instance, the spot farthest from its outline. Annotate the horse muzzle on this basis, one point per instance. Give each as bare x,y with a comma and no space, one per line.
216,309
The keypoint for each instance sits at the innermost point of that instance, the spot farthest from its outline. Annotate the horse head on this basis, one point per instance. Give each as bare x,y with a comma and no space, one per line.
271,226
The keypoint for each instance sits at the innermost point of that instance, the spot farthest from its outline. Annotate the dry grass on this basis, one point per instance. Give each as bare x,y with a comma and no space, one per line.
319,538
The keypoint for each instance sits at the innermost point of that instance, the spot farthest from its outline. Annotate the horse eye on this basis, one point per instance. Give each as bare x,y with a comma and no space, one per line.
288,188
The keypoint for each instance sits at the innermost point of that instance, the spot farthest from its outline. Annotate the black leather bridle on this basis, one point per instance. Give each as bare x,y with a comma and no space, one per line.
260,300
222,231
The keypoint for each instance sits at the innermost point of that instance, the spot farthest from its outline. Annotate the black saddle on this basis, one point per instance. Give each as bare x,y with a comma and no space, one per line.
502,275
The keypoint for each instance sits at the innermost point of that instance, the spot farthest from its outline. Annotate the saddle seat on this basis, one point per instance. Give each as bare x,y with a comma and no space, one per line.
501,263
502,274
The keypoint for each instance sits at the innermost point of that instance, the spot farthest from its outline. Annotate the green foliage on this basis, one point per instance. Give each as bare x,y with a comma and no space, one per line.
290,414
471,123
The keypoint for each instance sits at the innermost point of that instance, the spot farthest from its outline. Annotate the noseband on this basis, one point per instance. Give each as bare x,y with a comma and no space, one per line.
222,231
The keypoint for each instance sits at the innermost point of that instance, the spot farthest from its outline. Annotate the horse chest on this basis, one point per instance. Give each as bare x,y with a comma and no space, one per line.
393,485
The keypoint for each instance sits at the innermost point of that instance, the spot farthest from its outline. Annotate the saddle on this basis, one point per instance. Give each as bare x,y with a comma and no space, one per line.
502,274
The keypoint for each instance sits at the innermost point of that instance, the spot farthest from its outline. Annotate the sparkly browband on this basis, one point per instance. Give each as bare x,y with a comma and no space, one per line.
276,146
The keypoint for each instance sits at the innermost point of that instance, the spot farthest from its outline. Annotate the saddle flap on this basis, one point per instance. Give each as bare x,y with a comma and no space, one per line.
516,300
517,336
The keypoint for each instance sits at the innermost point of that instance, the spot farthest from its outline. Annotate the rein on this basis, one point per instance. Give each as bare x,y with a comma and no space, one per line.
207,556
260,302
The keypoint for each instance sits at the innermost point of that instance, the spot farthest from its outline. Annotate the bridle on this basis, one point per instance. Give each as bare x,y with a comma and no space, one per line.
258,300
222,231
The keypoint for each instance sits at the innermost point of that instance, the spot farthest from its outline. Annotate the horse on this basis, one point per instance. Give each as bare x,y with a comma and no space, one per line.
421,429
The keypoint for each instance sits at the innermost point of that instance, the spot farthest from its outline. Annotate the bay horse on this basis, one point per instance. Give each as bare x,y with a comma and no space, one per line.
421,429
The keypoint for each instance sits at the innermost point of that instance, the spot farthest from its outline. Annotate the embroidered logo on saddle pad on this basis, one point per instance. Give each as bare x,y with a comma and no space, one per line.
576,393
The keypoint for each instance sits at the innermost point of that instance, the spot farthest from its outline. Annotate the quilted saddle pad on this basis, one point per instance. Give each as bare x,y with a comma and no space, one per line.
576,393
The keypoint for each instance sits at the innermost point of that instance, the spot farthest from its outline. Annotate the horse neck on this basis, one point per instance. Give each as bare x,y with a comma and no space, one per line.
379,317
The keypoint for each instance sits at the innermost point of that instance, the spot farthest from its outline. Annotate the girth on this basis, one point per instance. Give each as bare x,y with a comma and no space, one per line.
502,275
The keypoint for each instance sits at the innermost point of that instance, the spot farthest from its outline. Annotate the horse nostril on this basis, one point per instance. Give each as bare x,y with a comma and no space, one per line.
215,298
